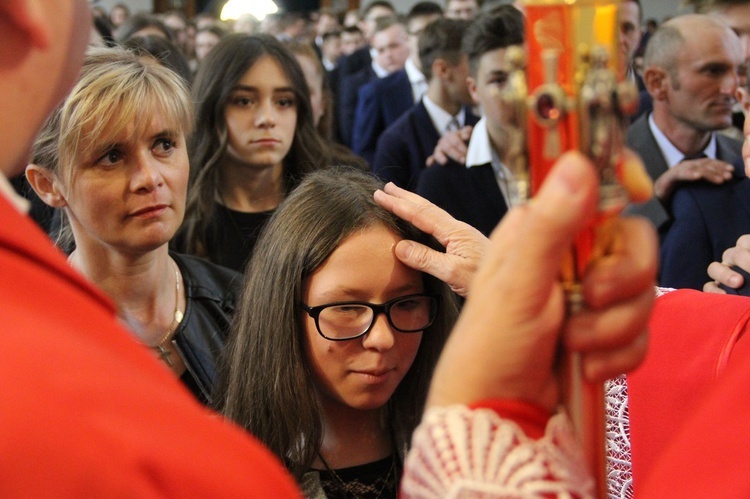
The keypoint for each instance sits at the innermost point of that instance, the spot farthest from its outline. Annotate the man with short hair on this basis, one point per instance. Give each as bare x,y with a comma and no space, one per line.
362,57
736,13
461,9
326,22
693,82
629,17
361,60
389,43
480,192
352,40
381,102
330,49
404,146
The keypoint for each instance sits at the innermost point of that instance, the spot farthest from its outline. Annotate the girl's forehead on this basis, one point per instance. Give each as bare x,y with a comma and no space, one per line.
266,70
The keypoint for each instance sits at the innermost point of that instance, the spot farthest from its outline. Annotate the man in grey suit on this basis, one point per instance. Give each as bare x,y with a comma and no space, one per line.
692,81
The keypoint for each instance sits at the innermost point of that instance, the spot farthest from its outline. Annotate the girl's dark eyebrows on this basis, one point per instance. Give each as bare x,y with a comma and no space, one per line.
246,88
249,88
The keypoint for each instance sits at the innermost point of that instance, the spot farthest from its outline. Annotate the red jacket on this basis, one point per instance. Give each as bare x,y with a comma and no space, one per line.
87,411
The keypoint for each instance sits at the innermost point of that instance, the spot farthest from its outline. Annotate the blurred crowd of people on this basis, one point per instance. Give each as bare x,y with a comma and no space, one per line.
309,226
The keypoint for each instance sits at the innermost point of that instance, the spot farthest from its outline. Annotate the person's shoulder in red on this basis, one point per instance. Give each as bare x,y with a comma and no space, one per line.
87,410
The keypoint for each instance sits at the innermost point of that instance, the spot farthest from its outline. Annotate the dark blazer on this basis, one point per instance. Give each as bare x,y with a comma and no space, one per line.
333,76
708,219
379,105
355,62
639,83
468,194
347,66
404,147
642,141
645,106
348,96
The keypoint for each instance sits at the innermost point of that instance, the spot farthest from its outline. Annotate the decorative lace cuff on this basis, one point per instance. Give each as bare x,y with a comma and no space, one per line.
531,418
459,452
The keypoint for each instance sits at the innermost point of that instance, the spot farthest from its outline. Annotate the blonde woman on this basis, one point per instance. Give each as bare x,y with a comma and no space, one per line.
114,159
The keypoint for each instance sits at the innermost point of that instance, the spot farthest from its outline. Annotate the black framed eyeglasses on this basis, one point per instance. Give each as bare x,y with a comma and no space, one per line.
348,320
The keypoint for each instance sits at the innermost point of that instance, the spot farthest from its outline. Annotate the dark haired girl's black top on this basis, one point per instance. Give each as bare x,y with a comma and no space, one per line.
233,236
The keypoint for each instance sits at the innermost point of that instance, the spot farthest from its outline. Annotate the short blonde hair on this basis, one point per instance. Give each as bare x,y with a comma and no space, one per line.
117,93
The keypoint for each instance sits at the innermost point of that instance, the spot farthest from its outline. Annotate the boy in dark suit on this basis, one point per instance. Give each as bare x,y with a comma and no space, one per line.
391,52
478,192
404,147
381,102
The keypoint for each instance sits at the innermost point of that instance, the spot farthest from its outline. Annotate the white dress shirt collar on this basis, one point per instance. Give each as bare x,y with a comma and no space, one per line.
480,147
671,154
480,152
379,71
416,79
440,117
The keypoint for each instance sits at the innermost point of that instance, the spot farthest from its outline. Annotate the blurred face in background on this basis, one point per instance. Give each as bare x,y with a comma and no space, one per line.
351,42
351,18
178,26
326,22
486,90
331,48
629,15
118,15
392,48
367,25
455,82
461,9
205,40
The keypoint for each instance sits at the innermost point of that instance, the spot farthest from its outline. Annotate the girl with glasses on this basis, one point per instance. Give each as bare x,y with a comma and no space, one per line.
335,341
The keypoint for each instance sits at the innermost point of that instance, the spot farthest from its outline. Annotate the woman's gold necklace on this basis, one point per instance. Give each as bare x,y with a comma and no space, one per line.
162,351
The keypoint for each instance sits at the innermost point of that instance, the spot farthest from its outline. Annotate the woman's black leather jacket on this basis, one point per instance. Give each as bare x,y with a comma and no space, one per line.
212,293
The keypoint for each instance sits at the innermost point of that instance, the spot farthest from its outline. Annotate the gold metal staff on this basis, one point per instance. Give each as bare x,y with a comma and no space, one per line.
574,97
